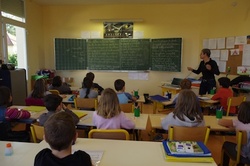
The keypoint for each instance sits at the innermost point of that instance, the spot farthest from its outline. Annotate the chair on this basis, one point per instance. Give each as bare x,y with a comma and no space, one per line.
128,107
34,101
118,134
54,91
241,139
180,133
85,103
37,132
234,101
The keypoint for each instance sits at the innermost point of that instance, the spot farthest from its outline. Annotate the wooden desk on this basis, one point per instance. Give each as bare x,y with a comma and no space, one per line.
208,102
125,153
211,121
66,99
173,90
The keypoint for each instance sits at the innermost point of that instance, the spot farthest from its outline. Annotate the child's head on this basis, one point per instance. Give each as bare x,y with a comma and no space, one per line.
39,88
185,84
108,105
57,81
206,51
87,83
60,131
187,104
90,75
244,112
5,96
224,82
53,102
119,85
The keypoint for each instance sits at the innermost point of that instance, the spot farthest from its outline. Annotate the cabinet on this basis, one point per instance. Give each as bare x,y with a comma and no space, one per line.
16,81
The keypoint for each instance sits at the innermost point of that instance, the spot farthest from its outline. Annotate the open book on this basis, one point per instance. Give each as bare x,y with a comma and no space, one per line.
186,148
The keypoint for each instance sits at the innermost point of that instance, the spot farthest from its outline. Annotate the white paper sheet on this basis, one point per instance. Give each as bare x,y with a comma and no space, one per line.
222,66
234,52
95,35
243,70
212,43
205,43
85,34
230,42
240,40
215,53
138,76
221,42
138,35
246,55
224,55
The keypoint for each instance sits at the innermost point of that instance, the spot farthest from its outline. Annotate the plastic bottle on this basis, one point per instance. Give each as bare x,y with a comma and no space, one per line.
8,150
136,110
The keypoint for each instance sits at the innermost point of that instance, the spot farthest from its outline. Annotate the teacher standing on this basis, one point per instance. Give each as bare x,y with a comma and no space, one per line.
208,68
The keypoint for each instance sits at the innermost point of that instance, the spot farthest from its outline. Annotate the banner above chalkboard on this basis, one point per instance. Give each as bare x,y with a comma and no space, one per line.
119,54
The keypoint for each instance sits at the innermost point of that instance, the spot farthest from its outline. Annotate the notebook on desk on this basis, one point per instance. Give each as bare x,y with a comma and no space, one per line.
175,82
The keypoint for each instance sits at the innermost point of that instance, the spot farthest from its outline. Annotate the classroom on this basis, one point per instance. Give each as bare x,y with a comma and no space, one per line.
191,20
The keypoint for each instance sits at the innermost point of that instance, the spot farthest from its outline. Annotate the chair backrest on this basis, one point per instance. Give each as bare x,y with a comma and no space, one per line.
128,107
180,133
85,103
241,139
37,132
34,101
54,91
234,101
118,134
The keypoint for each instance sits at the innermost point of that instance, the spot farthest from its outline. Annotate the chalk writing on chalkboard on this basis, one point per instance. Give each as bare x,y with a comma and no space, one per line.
119,54
166,54
70,54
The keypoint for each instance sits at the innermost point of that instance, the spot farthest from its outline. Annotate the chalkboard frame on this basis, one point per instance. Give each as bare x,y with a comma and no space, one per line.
149,64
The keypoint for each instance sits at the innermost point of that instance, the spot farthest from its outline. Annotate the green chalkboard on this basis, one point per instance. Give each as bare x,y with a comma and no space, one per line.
166,54
70,54
134,54
118,54
103,54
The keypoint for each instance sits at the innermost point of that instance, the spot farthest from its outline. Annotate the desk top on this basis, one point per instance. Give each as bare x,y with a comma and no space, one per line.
209,121
127,153
140,122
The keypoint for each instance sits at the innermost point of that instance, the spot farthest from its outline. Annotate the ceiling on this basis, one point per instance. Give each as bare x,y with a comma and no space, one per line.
83,2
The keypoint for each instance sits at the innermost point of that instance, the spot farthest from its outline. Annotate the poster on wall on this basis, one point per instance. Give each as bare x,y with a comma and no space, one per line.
118,29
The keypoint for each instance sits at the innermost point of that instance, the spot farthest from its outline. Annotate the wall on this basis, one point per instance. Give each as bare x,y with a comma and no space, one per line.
192,22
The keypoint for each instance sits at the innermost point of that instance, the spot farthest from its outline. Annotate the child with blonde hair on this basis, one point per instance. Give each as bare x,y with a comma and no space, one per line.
109,114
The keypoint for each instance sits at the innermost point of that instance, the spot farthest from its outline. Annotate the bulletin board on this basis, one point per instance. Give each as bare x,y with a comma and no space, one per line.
233,60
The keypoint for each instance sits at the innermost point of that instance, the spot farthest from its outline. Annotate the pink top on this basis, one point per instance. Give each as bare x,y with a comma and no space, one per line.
241,126
117,122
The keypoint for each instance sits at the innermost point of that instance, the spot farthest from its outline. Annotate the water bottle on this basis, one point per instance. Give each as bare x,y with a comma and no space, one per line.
8,150
136,110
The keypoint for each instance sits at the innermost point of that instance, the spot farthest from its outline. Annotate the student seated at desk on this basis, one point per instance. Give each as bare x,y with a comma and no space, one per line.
57,84
53,104
87,90
60,133
8,114
123,96
39,91
223,94
91,76
242,122
186,112
109,114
